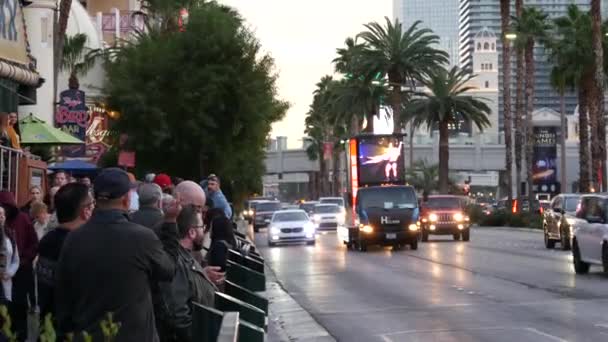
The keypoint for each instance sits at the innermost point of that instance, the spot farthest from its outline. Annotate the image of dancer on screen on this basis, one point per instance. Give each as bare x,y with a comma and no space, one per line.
390,156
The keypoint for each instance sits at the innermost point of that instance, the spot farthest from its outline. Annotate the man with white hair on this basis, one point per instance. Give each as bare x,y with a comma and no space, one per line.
149,214
190,193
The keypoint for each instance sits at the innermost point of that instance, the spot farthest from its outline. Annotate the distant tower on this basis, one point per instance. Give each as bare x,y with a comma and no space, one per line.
485,60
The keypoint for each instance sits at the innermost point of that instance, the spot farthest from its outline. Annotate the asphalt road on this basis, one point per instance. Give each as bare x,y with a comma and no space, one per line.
501,286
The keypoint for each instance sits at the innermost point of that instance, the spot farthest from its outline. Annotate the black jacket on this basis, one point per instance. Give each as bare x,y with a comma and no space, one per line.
148,217
106,266
189,285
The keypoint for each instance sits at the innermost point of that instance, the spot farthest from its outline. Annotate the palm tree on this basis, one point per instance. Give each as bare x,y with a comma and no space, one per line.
60,37
596,105
531,26
559,82
446,101
519,109
505,8
402,56
570,50
78,59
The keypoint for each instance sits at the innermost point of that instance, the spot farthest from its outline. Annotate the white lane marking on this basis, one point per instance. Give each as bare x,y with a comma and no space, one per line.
427,331
549,336
386,338
601,325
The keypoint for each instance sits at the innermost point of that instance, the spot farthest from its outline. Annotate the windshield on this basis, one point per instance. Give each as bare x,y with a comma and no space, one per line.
272,206
327,209
307,206
287,217
444,202
387,198
337,201
571,203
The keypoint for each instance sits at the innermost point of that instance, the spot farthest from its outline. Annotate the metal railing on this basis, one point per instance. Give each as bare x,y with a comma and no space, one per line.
9,169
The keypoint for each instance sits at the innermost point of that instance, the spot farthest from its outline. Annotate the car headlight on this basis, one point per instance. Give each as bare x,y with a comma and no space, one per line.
433,218
309,228
459,217
366,229
274,230
413,227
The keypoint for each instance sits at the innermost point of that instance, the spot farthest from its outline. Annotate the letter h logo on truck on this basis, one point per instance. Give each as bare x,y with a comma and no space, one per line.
386,220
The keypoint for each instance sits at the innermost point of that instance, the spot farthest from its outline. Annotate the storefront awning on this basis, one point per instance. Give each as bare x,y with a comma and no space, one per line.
18,74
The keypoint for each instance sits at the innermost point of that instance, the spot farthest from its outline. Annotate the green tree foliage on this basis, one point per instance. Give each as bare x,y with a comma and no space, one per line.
446,101
199,100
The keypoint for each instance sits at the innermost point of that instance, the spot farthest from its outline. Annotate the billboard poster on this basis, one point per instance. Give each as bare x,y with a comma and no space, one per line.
380,159
545,156
72,116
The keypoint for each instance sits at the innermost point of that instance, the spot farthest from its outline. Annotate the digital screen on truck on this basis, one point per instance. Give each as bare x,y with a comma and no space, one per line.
380,160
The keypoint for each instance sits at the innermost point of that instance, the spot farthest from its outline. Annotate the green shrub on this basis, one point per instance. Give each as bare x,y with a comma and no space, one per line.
503,218
475,213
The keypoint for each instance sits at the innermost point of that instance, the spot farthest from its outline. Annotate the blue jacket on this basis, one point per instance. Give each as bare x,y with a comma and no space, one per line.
220,201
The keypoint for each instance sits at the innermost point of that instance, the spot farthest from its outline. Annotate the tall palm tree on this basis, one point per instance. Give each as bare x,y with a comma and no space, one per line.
445,102
559,82
403,56
531,26
505,8
60,28
519,109
571,51
77,59
596,105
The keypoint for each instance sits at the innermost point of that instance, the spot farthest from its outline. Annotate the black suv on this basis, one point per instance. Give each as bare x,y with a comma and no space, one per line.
263,213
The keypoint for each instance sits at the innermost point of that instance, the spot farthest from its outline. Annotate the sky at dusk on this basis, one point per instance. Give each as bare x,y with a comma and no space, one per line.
302,37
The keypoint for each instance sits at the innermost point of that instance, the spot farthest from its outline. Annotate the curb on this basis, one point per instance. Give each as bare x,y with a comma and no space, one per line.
287,320
528,230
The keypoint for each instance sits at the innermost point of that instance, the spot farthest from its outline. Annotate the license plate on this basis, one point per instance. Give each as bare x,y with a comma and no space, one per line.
391,236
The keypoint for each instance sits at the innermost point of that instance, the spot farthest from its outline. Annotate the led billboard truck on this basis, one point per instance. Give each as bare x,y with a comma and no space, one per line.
384,209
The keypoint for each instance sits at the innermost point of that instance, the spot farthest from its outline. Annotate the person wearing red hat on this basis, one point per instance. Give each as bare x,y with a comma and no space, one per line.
164,181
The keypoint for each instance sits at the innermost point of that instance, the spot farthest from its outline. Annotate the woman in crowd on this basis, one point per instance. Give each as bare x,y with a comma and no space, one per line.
13,130
9,259
40,218
5,139
36,195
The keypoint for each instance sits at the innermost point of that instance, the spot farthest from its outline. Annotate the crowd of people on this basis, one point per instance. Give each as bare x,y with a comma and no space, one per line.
111,244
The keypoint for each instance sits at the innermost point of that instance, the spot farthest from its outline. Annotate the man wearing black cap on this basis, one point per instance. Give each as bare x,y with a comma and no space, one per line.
108,264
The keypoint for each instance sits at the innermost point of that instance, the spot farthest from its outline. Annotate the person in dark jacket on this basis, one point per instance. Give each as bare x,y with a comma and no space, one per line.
149,214
25,236
190,283
222,240
108,265
74,205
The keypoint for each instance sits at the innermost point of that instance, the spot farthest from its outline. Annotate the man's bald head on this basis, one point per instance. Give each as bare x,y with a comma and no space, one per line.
190,193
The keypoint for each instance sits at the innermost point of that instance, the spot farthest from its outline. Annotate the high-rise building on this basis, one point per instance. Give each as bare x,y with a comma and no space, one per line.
441,16
475,15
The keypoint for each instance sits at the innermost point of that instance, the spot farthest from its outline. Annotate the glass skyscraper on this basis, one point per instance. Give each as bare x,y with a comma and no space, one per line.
438,15
461,20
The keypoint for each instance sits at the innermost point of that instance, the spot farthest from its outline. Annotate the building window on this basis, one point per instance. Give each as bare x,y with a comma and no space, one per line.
44,30
483,66
486,46
478,46
487,84
493,47
490,68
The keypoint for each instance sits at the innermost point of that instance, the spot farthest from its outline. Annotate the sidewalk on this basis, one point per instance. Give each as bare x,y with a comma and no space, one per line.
287,320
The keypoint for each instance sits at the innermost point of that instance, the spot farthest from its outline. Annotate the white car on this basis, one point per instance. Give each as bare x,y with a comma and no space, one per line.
590,236
328,216
291,226
339,201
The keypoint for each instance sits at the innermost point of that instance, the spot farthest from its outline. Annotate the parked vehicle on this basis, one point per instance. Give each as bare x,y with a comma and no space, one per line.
291,226
558,220
590,235
445,215
339,201
263,213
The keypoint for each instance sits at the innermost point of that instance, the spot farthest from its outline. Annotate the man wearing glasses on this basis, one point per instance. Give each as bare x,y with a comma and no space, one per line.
190,283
